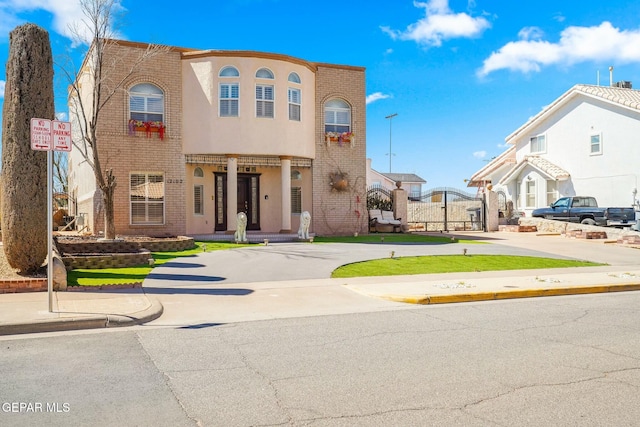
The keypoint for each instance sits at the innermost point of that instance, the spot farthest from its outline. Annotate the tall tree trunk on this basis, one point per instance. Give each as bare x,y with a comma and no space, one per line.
107,194
28,94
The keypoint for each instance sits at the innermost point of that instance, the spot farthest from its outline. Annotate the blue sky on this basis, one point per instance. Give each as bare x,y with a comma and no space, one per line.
461,75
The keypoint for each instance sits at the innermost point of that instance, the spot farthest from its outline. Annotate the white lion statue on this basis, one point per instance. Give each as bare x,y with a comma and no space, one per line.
305,221
241,228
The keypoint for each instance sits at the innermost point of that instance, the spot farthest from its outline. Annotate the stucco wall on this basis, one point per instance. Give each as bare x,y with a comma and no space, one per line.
205,132
610,176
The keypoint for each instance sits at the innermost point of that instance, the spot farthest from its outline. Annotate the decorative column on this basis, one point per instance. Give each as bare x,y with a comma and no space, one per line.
285,170
400,205
492,210
232,192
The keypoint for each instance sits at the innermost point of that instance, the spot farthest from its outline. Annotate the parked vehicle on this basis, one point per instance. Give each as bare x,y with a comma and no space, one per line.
585,210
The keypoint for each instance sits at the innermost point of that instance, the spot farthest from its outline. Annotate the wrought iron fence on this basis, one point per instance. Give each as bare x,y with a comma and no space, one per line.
446,209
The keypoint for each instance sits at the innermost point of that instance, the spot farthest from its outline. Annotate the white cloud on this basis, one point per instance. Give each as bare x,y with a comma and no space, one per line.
377,96
480,154
65,13
577,44
440,23
530,33
2,83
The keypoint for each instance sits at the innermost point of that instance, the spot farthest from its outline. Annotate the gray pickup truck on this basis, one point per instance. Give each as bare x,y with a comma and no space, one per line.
585,210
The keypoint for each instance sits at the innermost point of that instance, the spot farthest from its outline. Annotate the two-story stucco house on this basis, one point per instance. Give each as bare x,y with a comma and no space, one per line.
586,142
194,137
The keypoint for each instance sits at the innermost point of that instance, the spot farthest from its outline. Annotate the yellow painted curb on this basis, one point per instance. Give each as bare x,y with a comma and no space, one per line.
512,294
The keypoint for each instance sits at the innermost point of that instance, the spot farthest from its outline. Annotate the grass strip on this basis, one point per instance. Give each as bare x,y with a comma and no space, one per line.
125,275
391,238
451,264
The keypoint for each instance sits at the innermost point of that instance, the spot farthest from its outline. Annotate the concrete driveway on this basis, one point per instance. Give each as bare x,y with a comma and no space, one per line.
293,279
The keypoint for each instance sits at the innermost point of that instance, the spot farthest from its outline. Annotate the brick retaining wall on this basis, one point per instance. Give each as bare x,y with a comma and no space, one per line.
11,286
114,260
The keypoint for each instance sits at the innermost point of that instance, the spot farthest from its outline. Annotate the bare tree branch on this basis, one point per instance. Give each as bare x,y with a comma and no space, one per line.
102,71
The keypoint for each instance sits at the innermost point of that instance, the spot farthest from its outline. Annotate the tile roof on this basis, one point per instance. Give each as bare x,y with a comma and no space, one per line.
483,175
403,177
541,164
629,98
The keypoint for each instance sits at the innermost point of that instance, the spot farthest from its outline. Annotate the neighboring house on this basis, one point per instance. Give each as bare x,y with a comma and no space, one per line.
409,182
196,136
586,142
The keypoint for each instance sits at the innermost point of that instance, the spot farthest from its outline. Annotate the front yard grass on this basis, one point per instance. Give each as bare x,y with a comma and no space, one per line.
120,276
451,264
391,238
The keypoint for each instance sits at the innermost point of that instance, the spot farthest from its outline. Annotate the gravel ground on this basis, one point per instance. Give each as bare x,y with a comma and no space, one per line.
6,272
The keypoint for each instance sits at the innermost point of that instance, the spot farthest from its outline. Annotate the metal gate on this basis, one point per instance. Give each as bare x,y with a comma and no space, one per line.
447,209
379,198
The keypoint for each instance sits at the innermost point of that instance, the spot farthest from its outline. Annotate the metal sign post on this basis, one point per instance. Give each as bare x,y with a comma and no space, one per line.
49,136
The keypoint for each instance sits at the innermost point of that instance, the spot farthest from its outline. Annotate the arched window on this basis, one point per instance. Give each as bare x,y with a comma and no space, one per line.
264,73
229,95
229,71
296,175
294,78
337,116
264,95
198,173
146,103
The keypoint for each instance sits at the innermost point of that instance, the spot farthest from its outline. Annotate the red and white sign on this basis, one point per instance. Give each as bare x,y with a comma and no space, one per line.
40,134
61,133
50,135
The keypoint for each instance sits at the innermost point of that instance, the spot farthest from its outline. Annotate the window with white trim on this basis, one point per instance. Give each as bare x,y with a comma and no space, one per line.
415,190
538,144
294,104
229,98
198,200
264,73
552,191
264,101
146,198
294,78
595,146
530,194
229,71
146,103
198,173
337,116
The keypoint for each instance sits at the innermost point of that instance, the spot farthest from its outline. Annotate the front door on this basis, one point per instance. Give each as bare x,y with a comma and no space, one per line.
248,200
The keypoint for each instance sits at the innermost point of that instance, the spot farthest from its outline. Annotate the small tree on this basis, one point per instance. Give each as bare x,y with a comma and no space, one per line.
102,71
28,94
60,177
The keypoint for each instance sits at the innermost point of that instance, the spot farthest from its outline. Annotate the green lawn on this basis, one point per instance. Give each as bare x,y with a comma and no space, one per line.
119,276
390,238
381,267
450,264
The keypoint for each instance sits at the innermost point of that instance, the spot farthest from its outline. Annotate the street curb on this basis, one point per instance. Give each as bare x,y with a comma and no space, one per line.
152,312
512,294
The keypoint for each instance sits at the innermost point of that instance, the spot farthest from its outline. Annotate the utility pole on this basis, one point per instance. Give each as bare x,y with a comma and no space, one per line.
390,117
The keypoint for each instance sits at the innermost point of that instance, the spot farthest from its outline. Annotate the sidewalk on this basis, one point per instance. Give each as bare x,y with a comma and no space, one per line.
28,312
495,285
